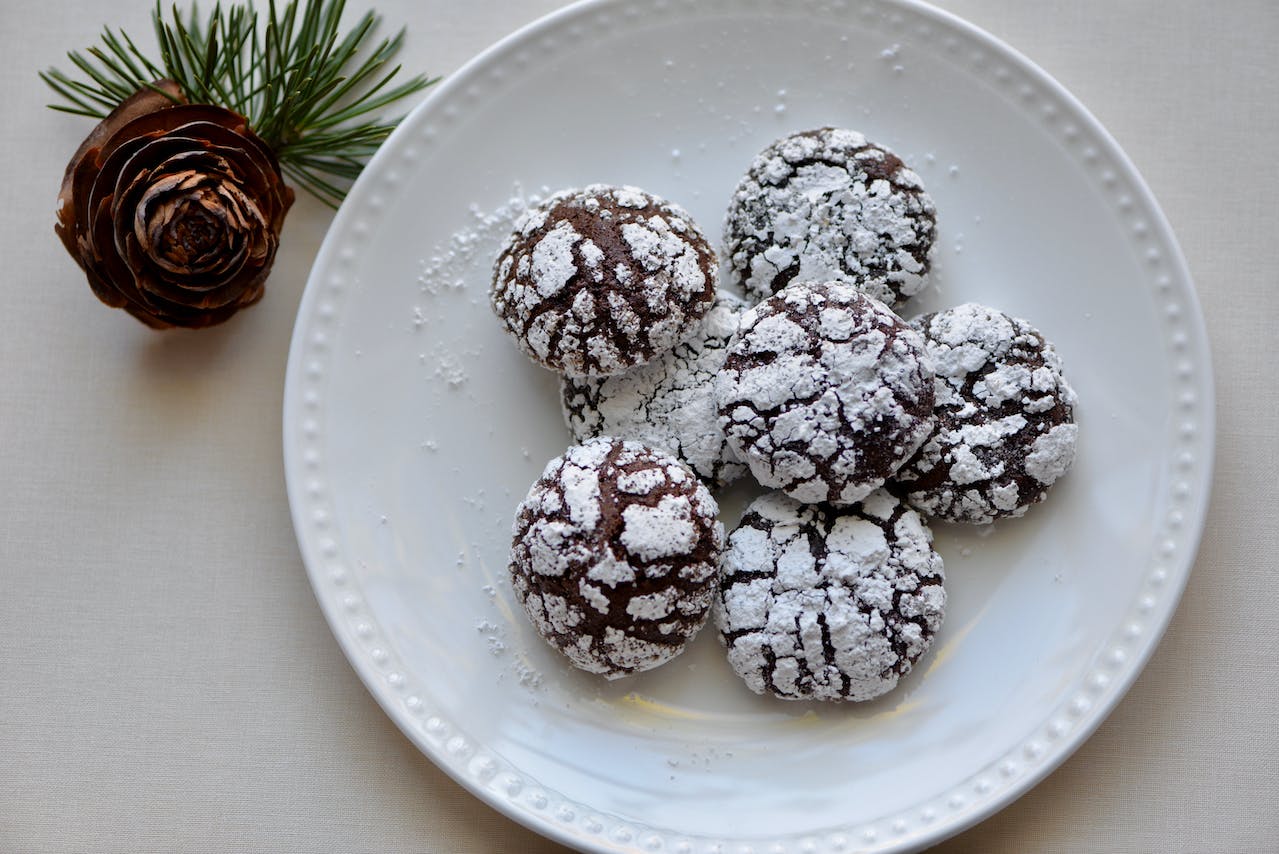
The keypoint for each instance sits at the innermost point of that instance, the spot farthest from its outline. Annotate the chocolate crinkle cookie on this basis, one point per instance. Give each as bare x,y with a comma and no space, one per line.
827,204
668,403
819,603
825,392
595,281
615,555
1005,418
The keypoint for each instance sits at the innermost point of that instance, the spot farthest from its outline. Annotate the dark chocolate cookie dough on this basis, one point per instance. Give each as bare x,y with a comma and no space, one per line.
1005,418
825,392
818,603
615,555
825,205
602,279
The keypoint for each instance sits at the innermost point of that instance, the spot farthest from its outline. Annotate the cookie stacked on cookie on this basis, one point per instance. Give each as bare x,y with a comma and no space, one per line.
863,423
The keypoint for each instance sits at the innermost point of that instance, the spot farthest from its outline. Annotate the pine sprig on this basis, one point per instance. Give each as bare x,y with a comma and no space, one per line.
308,91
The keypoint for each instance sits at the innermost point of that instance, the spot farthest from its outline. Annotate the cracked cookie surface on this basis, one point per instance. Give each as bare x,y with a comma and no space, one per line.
615,555
598,280
1005,427
825,392
827,204
821,603
668,403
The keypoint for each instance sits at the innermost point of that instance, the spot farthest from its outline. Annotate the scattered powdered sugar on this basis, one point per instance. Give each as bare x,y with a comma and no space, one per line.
826,205
1005,418
891,54
450,269
493,635
594,281
448,367
825,392
496,641
614,555
825,604
527,676
668,403
446,268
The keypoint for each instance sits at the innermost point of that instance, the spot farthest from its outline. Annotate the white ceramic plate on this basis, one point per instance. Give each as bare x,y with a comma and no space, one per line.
413,427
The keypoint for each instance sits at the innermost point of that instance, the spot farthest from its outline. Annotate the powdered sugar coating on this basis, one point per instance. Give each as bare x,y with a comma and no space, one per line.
615,555
818,603
595,281
825,392
825,205
1005,418
668,403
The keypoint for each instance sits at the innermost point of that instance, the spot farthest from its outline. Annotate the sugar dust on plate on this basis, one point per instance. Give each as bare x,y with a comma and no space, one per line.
890,54
447,267
493,637
528,677
447,366
475,502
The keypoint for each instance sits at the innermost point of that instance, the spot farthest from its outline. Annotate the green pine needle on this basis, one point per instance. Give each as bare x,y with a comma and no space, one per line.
307,90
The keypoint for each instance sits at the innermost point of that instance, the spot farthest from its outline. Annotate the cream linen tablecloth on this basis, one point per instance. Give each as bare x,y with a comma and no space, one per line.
167,681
